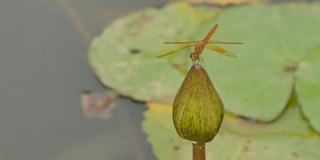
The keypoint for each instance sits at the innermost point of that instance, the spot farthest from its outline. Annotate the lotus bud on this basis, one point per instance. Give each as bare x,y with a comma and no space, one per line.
197,108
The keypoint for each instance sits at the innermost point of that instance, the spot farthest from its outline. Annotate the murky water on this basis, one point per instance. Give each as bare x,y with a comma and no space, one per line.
43,70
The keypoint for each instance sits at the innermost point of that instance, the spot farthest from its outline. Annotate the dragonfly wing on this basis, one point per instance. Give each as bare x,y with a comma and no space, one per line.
175,51
189,42
222,42
220,50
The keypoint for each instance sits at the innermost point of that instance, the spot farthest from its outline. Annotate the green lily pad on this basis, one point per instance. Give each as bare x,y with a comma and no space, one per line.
290,123
256,85
308,86
265,142
123,57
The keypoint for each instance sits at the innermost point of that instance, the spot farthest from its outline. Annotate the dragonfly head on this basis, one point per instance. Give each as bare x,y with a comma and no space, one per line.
194,56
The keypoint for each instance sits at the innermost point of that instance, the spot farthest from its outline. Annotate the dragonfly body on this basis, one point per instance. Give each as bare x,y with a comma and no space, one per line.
201,45
198,49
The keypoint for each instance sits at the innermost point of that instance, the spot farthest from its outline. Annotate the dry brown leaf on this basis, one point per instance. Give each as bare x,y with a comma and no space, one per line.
98,105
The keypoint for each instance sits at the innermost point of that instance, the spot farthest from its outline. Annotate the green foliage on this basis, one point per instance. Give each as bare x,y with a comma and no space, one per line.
123,57
278,60
257,84
276,38
308,86
289,138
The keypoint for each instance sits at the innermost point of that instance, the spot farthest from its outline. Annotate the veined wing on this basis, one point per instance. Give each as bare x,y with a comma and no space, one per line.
220,50
175,51
189,42
222,42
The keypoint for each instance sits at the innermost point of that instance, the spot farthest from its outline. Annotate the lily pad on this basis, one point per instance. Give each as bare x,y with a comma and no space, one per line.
291,122
123,57
308,86
268,143
257,85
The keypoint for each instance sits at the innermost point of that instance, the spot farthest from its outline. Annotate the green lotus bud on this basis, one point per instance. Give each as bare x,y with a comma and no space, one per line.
197,108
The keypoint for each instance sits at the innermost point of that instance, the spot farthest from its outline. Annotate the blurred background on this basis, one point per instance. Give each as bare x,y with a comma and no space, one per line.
44,69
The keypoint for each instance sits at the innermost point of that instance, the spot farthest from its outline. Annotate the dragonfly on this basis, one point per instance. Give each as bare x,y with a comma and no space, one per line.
199,46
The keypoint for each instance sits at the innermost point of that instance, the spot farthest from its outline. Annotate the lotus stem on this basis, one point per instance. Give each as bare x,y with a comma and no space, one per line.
199,150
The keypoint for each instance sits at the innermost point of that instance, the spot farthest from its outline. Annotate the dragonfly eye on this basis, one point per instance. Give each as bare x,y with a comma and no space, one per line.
194,56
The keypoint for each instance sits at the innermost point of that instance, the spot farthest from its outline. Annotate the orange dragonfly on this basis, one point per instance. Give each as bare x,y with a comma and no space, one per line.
200,45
